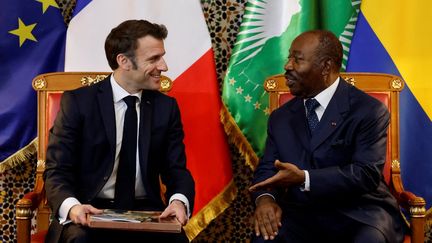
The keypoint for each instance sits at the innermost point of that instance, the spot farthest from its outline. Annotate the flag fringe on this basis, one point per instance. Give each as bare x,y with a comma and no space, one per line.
19,157
236,137
213,209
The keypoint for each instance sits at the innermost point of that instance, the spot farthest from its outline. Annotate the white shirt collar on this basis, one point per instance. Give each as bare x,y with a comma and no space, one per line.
325,96
119,93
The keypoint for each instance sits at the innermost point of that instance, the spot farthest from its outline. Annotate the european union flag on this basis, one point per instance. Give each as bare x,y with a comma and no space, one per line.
32,41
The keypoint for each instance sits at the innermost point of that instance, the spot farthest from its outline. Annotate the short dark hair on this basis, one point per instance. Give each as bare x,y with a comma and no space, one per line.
124,38
329,47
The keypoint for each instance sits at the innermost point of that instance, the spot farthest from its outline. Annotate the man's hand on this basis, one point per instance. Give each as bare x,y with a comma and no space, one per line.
78,213
267,218
288,175
177,209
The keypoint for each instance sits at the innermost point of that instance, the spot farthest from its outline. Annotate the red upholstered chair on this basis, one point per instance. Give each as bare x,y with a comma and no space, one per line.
49,88
386,88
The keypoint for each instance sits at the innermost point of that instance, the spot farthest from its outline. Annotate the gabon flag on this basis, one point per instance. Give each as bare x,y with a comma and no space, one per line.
397,41
190,60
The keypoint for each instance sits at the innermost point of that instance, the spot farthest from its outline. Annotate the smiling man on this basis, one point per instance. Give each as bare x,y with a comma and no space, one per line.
320,178
112,141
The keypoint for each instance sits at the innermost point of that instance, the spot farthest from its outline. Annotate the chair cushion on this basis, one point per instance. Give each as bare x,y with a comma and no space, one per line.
407,239
39,237
53,106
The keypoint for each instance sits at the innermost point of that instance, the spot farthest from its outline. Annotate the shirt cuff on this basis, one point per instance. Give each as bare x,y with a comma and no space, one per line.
65,207
306,186
182,198
264,194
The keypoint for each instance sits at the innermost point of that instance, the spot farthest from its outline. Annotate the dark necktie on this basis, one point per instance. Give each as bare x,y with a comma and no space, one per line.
312,118
125,182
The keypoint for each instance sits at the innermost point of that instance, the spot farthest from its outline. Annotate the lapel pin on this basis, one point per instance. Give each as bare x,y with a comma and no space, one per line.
333,124
148,102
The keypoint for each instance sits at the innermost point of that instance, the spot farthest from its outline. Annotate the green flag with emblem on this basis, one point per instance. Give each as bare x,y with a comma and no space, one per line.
267,30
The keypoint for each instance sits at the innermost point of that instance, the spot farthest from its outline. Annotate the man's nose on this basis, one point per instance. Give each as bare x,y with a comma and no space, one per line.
288,64
162,66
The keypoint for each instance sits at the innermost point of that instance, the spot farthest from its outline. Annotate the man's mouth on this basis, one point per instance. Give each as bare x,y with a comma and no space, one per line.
290,79
156,76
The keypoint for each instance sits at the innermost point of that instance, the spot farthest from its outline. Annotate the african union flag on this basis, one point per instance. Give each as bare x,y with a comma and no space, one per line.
261,50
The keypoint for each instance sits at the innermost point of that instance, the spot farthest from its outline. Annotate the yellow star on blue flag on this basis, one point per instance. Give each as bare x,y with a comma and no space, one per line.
47,3
24,32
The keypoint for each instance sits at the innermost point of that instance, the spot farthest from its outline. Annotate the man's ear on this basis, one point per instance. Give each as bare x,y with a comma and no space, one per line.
327,67
123,62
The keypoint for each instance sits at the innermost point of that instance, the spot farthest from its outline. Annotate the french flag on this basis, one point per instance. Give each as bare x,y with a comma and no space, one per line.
190,60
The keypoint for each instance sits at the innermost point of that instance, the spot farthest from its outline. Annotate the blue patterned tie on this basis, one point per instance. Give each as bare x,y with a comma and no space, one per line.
312,118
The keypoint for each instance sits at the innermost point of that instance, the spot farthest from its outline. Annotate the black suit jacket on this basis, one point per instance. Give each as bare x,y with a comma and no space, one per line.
345,158
81,148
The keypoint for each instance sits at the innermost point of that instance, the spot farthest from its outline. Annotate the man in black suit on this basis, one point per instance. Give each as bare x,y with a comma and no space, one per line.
112,141
320,178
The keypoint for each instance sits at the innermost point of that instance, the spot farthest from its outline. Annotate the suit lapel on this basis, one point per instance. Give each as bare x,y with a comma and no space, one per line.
298,122
106,107
146,109
333,116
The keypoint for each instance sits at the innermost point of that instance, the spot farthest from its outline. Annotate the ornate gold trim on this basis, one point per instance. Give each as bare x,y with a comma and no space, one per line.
271,84
395,164
20,156
213,209
40,163
236,137
396,84
23,209
39,83
417,211
88,80
350,80
165,84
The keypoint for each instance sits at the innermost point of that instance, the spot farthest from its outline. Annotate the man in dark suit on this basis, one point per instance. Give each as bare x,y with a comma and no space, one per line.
112,141
320,178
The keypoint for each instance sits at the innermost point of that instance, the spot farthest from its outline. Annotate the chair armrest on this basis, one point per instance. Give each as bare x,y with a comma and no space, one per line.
415,205
25,208
24,215
35,199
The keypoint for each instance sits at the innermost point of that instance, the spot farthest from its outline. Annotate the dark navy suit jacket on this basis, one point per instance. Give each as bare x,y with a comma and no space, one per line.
81,149
345,158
